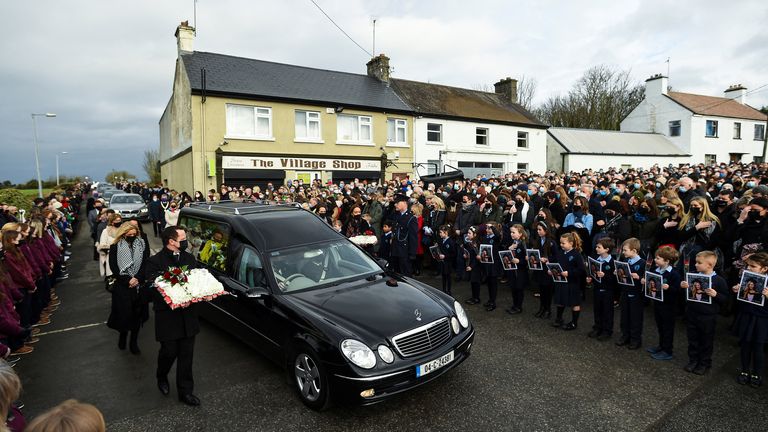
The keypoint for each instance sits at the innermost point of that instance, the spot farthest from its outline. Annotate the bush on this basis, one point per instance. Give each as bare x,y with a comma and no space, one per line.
14,197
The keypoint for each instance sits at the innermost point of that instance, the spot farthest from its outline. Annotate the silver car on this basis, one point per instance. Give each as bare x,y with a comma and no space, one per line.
129,206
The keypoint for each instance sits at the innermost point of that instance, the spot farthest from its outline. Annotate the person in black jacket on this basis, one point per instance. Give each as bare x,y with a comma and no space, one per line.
405,239
701,318
447,256
489,249
175,329
665,311
127,259
604,288
568,291
156,215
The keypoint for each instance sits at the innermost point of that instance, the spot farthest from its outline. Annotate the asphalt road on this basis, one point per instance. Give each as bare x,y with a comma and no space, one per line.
523,375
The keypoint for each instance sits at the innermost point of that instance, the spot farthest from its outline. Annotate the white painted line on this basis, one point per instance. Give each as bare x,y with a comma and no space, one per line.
71,328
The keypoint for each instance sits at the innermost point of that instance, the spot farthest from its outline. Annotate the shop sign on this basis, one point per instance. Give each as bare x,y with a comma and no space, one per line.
299,163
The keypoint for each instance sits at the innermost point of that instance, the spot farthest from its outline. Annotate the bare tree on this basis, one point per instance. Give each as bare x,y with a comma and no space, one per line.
483,88
151,165
600,99
526,91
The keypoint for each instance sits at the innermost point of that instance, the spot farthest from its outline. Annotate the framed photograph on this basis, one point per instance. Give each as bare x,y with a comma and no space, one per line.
624,273
486,254
594,267
653,286
697,283
506,257
435,251
557,272
751,288
533,256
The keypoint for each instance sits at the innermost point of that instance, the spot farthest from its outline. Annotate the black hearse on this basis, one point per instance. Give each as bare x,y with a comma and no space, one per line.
344,327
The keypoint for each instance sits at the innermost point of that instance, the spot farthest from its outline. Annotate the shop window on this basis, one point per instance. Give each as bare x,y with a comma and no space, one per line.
249,122
308,125
434,132
208,241
354,129
397,132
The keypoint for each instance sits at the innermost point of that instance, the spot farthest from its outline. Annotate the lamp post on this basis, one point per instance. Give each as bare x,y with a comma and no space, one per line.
37,156
57,165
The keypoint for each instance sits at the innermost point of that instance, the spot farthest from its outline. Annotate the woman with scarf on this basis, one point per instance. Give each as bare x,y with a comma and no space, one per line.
127,257
644,224
521,212
105,242
699,230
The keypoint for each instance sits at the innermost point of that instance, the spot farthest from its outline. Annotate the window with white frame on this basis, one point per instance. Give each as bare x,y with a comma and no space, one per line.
308,125
522,167
522,139
711,130
396,131
759,132
710,159
674,128
434,132
354,129
736,130
481,136
245,121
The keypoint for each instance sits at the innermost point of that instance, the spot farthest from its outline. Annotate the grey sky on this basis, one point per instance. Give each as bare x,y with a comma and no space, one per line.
106,67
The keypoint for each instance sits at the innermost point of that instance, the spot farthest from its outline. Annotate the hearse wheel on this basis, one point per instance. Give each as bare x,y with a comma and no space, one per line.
310,379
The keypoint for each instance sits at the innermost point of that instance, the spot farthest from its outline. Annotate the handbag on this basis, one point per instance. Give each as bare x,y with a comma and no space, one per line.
109,283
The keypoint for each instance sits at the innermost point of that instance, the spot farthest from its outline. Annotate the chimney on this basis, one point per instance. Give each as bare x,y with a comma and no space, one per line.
507,87
737,92
185,35
378,67
656,85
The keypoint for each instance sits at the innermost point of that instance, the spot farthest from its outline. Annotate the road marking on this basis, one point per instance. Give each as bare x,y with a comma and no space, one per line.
71,328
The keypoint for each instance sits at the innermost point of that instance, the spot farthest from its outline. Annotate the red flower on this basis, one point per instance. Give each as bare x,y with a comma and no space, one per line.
167,275
177,271
368,232
174,280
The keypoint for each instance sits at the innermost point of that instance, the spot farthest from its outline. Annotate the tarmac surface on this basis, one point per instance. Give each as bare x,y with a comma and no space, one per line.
523,375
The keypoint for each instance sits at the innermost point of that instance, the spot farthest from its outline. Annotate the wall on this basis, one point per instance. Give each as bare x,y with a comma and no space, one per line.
176,174
176,122
654,113
724,143
459,141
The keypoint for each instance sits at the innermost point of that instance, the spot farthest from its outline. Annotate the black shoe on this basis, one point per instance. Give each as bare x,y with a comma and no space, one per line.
19,405
622,342
603,337
546,315
539,313
514,311
189,399
165,389
472,301
594,334
570,326
701,370
755,381
558,323
743,378
691,366
634,346
488,303
490,307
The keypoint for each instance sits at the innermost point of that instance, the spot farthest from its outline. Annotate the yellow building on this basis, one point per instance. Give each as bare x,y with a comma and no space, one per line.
242,121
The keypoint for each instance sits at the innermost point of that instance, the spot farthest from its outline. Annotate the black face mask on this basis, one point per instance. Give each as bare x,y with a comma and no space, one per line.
183,245
130,239
754,214
643,210
116,225
576,208
695,211
721,203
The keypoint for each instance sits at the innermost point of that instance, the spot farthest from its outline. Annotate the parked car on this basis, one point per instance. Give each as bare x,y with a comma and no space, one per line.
343,327
129,206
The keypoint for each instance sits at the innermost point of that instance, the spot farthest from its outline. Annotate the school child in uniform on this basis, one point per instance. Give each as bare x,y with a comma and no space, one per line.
568,294
386,241
447,248
544,242
471,252
519,277
701,318
664,312
604,289
632,297
752,327
491,270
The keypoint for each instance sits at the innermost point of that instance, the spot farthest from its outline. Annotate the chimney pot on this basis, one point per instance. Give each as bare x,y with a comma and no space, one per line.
185,36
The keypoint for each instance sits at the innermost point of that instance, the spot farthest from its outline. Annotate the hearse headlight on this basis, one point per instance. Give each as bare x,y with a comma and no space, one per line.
461,315
143,210
358,353
386,354
455,325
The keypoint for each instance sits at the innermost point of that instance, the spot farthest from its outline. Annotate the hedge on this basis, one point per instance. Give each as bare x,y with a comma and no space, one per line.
14,197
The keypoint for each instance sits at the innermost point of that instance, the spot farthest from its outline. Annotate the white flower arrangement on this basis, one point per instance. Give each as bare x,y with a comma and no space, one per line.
198,286
364,240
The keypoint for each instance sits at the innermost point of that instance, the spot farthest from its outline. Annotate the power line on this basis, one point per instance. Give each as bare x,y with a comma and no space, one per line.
340,29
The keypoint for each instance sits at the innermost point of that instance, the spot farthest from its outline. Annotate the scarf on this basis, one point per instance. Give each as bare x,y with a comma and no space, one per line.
129,256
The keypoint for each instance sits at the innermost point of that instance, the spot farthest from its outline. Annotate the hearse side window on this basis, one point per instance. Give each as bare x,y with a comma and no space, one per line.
250,271
208,241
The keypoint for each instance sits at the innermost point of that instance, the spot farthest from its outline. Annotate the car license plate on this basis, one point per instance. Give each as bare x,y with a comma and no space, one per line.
434,365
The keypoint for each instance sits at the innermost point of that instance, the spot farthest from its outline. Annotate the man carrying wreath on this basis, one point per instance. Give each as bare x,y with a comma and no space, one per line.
175,329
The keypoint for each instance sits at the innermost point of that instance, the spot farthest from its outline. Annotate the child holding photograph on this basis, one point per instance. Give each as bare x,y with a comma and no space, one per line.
632,296
447,255
472,262
664,311
752,326
491,268
544,242
568,294
604,288
701,318
518,279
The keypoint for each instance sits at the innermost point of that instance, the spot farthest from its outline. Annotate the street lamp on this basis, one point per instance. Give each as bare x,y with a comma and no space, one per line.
57,165
37,156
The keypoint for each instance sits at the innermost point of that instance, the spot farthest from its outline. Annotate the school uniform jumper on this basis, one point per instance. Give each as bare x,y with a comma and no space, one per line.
518,279
492,271
632,302
568,294
752,329
701,319
476,273
603,300
665,311
447,248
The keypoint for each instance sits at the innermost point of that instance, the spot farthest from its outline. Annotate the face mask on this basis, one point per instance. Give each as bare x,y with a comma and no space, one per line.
183,245
542,189
164,200
683,189
116,224
719,185
154,199
754,214
658,185
750,184
721,203
637,185
530,192
644,210
572,189
130,239
695,211
456,187
603,192
576,208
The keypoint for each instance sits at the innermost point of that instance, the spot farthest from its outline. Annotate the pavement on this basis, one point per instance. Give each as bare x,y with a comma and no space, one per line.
523,375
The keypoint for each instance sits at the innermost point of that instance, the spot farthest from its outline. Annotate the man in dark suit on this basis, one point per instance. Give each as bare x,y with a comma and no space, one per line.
405,239
175,329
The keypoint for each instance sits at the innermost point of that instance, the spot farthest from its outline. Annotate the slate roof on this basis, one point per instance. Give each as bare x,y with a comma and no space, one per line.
716,106
599,142
238,76
441,100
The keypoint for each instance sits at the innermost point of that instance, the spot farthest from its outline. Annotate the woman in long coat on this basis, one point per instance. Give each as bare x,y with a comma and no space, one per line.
128,255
